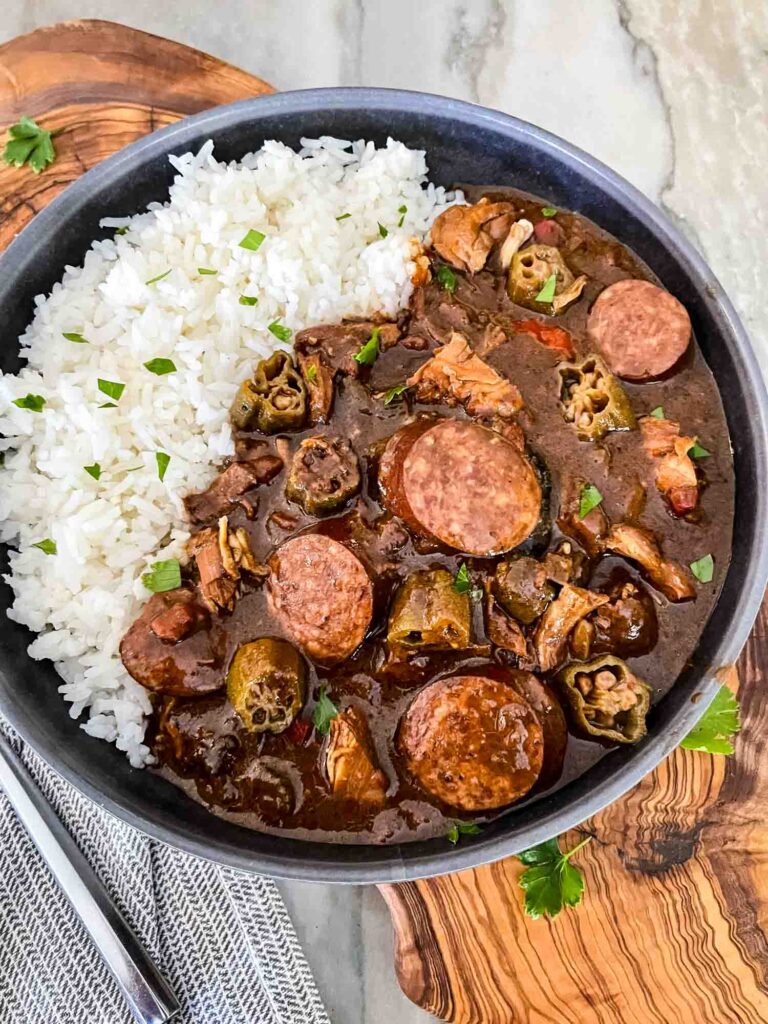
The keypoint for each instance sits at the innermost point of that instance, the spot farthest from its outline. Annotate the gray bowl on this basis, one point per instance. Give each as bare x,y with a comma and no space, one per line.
464,143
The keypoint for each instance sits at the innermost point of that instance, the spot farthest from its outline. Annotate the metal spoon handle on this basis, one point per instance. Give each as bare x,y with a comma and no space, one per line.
145,990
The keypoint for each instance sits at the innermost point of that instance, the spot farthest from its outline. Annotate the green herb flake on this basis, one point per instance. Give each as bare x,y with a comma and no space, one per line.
402,210
461,581
72,336
550,882
590,499
382,230
163,576
252,240
311,374
547,293
154,280
248,300
29,143
343,216
395,392
111,388
207,272
657,413
719,724
461,828
696,451
122,231
108,405
160,366
281,332
47,546
94,470
325,710
369,352
34,403
549,211
703,568
446,277
162,459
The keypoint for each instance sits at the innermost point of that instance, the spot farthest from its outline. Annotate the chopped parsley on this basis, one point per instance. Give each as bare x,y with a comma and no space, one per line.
717,727
29,144
590,499
281,332
111,388
550,882
163,576
461,581
94,470
47,546
343,216
34,403
311,374
160,366
108,405
248,300
122,231
72,336
382,230
446,277
461,828
252,240
369,352
657,413
395,392
325,710
154,280
697,452
548,211
207,272
402,210
547,293
703,568
162,459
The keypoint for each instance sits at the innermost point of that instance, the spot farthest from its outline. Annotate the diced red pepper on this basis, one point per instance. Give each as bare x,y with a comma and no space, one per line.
556,338
298,731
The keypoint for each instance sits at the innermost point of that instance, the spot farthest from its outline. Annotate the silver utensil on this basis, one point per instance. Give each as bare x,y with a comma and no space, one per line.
147,993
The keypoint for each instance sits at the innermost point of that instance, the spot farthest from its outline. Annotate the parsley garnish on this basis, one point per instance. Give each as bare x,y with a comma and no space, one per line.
47,546
394,393
703,568
548,211
324,711
718,725
343,216
369,352
29,143
160,366
461,581
94,470
162,459
111,388
551,882
280,332
122,231
163,576
461,828
657,413
154,280
547,293
446,277
382,230
77,338
402,210
590,498
248,300
311,374
697,452
207,271
252,240
34,403
108,405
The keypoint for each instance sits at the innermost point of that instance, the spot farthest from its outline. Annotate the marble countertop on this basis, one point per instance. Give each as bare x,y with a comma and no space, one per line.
673,94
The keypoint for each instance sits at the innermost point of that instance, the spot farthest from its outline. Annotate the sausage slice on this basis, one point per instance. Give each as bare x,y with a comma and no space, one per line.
639,329
472,742
322,595
461,484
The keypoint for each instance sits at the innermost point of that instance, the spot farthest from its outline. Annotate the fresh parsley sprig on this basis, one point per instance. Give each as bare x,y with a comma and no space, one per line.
550,882
719,724
29,144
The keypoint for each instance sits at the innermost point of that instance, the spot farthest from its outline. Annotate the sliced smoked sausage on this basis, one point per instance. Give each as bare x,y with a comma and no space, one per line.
473,742
639,329
461,484
322,595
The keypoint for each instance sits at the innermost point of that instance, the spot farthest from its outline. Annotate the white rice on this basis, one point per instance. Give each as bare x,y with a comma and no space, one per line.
312,267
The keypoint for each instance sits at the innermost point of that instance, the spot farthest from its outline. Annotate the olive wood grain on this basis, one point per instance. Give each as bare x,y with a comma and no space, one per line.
672,927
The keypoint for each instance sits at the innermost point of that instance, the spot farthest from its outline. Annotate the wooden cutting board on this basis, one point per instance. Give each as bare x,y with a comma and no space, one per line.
673,925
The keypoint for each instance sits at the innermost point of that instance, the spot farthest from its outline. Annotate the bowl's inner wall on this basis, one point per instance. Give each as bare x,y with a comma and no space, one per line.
457,150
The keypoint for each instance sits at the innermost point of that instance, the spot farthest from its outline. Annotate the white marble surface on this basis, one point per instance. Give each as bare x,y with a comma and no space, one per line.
671,93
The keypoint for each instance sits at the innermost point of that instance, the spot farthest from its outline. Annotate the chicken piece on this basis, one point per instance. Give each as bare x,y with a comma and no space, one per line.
422,271
502,630
493,337
350,760
564,564
591,531
318,380
640,545
179,619
550,640
519,233
339,343
456,376
221,556
229,487
465,235
676,476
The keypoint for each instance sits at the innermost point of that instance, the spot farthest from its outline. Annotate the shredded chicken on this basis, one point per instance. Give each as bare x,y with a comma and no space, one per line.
519,233
350,760
551,637
640,545
222,555
465,235
456,376
503,630
676,472
569,294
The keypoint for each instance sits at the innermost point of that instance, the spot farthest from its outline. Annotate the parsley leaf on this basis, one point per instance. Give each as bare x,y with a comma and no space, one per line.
311,374
703,568
160,366
461,828
343,216
697,452
72,336
47,546
111,388
206,271
548,211
94,470
382,230
550,882
325,710
395,392
248,300
252,240
29,143
590,498
657,413
154,280
162,459
108,405
402,210
446,277
461,581
547,293
34,403
280,332
163,576
718,725
369,352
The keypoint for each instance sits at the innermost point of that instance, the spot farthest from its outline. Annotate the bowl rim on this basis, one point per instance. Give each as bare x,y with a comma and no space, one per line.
393,864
